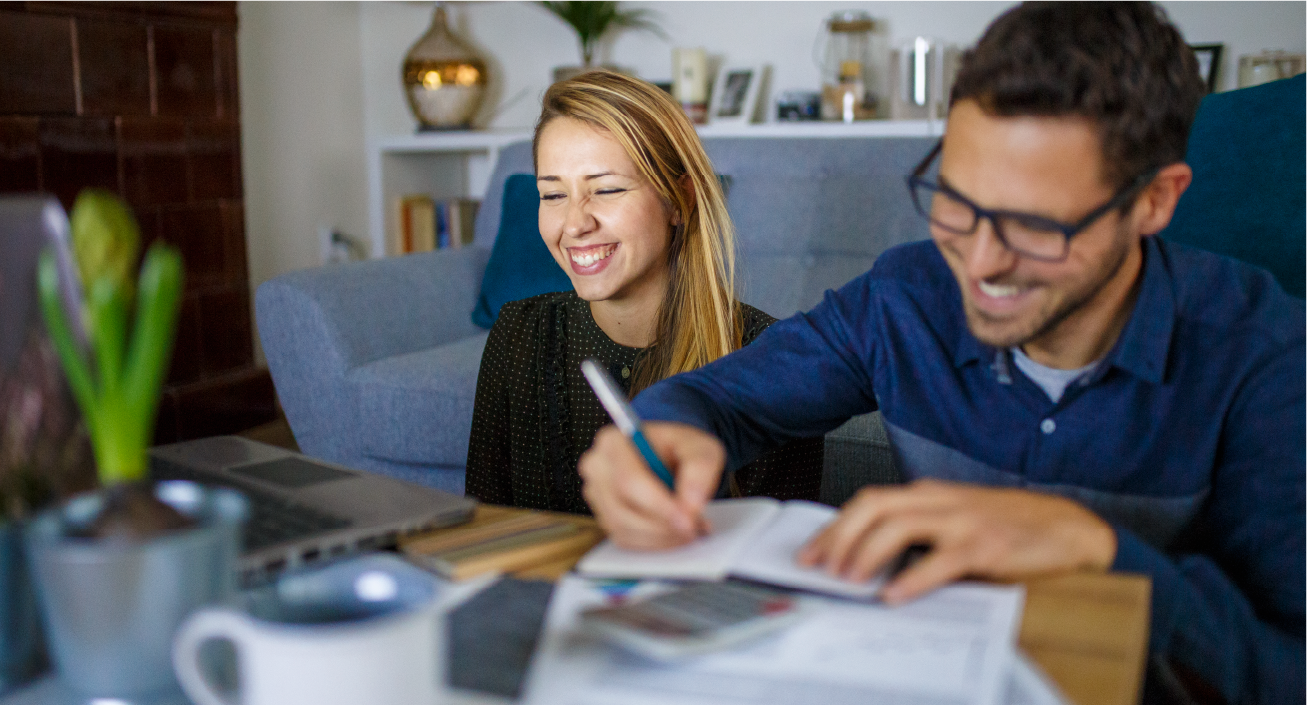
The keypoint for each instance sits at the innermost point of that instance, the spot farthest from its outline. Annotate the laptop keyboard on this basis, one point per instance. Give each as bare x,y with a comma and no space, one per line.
272,519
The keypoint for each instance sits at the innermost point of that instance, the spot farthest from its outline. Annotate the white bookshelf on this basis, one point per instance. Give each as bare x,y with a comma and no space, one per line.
459,164
441,164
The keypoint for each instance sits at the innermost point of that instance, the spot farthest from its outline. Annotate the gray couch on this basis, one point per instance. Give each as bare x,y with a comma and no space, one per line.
376,362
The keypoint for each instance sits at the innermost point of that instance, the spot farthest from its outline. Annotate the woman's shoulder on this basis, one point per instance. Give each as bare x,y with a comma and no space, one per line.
754,322
518,334
515,314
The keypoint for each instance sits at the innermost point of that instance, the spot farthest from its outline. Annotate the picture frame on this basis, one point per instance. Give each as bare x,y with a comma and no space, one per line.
1209,63
735,94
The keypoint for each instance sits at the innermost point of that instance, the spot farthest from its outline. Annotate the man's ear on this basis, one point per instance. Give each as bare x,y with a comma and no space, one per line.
1156,204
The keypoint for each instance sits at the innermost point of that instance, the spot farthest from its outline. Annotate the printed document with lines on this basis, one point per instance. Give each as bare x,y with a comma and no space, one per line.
952,647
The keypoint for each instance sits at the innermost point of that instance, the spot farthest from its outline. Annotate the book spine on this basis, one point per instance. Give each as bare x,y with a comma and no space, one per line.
442,225
405,227
454,209
395,234
469,208
423,216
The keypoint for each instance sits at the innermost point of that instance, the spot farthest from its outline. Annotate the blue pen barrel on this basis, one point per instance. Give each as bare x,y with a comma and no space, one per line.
652,458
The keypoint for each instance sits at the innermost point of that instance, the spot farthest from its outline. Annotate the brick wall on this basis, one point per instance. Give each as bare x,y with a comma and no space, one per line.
141,98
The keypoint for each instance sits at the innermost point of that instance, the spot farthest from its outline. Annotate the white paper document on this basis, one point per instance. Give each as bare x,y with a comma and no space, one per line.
952,647
1029,685
755,538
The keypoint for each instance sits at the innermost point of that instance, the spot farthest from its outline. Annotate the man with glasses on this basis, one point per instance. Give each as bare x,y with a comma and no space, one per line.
1062,390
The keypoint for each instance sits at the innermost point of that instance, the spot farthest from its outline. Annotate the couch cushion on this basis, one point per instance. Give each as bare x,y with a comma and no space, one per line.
857,454
811,214
417,408
520,265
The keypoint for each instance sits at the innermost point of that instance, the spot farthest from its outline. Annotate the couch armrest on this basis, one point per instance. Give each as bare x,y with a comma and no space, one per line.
316,324
857,454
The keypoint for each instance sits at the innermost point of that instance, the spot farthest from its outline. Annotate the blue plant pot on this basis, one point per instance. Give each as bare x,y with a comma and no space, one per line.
111,609
22,649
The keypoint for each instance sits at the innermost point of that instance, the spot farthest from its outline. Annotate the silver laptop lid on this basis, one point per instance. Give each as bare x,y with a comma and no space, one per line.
303,509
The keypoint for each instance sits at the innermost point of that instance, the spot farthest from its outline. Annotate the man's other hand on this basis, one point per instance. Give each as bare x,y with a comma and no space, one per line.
632,504
983,532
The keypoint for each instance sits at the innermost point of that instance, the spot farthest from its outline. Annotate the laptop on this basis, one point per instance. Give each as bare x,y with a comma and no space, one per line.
302,509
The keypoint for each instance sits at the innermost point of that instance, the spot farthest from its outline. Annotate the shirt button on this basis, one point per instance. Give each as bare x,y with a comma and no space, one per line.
1048,426
626,372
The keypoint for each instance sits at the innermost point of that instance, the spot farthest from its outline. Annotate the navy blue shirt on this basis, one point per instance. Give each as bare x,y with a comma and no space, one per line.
1188,439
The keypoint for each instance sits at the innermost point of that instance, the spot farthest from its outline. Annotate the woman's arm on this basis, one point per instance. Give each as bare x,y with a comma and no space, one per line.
489,457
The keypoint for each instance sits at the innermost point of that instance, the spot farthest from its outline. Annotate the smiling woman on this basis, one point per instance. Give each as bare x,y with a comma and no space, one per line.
633,212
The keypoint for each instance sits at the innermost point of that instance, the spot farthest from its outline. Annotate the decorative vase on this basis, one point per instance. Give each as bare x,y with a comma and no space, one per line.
21,647
111,608
444,78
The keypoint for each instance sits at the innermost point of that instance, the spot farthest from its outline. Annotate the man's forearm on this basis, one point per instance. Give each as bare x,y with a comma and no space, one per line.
1202,622
799,379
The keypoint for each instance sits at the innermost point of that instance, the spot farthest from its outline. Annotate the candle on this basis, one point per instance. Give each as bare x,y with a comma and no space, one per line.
690,82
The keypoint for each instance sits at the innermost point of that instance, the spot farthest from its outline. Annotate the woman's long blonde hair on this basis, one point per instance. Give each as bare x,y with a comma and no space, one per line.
699,319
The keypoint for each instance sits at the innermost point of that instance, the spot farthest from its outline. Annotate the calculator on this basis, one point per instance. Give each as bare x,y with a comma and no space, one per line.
694,619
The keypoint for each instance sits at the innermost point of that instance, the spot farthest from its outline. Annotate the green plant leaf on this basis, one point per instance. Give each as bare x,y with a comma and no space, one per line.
591,20
157,306
75,367
106,308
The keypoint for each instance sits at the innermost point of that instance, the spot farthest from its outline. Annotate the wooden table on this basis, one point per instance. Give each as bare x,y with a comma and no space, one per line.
1088,631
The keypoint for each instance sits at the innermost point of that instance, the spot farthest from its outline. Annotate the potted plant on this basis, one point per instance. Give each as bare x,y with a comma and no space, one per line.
591,21
116,570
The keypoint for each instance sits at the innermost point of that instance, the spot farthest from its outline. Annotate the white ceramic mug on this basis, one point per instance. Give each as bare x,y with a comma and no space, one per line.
382,645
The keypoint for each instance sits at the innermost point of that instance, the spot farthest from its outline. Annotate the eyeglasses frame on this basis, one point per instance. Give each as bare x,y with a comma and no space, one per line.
916,179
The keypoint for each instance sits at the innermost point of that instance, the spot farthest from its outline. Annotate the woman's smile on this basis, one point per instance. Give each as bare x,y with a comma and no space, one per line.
591,259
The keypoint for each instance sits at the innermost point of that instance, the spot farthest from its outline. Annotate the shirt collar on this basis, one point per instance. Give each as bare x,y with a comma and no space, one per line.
1145,341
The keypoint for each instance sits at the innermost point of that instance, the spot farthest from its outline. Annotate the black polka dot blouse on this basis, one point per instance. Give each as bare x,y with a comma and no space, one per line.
535,414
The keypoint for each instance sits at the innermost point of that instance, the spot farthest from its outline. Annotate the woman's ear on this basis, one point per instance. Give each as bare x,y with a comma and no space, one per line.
687,186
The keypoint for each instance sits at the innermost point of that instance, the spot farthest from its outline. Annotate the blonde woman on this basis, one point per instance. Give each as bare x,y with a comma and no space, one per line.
631,209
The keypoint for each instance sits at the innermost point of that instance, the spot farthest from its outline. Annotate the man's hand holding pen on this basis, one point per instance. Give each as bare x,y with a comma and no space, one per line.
996,533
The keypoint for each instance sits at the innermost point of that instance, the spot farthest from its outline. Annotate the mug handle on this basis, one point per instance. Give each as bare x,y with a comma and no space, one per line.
202,626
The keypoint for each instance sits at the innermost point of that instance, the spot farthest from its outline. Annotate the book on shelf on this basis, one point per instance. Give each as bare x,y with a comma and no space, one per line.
422,224
462,215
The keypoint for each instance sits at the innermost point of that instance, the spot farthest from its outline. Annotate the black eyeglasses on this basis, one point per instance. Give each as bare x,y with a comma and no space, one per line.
1033,236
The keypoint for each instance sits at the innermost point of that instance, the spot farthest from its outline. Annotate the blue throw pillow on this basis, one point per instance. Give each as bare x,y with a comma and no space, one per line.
520,265
1247,198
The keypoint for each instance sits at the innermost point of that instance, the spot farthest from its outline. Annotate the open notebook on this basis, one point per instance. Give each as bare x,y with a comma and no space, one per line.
755,539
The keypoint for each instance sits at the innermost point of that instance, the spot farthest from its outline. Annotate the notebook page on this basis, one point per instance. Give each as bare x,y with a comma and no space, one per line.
769,558
735,523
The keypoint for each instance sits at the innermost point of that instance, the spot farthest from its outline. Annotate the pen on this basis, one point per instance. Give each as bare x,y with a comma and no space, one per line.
610,395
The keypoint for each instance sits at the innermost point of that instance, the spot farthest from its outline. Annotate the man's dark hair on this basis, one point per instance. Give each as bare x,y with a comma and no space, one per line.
1122,65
